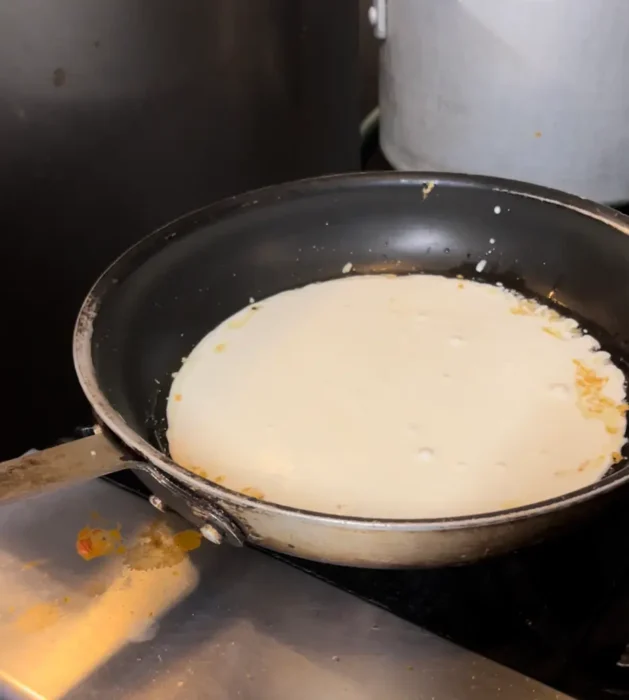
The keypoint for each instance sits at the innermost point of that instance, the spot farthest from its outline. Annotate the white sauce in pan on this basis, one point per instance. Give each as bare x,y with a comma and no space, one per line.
407,397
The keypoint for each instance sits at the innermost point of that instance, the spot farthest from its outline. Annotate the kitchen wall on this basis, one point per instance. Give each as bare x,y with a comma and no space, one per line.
117,116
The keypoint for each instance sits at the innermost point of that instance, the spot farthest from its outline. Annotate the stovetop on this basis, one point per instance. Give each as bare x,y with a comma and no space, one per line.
558,611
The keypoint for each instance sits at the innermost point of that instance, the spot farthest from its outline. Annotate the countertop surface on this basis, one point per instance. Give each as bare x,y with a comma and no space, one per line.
220,623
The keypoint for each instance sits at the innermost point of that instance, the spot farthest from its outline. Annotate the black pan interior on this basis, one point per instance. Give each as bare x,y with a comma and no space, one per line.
165,294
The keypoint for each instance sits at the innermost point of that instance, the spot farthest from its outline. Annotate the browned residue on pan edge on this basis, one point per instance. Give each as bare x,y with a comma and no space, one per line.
593,403
85,321
253,492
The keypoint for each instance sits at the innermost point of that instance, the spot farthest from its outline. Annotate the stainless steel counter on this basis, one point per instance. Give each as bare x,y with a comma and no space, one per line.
223,624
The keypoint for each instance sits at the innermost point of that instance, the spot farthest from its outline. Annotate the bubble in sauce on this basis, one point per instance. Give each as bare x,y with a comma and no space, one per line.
559,391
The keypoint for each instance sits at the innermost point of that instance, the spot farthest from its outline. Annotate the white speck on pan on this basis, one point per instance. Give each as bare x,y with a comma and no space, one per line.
497,210
427,189
492,241
481,265
347,268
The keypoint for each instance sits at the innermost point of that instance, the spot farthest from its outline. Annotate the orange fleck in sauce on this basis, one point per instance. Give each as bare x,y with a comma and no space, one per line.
219,479
197,470
177,397
593,463
553,331
253,492
243,319
525,307
220,347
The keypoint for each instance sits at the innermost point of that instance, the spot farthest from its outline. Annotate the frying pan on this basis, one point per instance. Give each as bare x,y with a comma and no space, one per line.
153,305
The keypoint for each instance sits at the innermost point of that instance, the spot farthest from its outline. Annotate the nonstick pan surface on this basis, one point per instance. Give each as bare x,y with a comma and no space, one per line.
160,298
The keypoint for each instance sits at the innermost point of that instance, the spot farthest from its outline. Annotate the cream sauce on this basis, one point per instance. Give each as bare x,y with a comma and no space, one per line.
405,397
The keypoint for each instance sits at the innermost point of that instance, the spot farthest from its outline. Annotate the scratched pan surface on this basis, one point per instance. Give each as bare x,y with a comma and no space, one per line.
160,298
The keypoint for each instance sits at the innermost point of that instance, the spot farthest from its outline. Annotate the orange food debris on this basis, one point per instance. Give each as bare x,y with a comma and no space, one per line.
187,540
616,457
220,347
219,479
595,463
178,397
243,318
525,307
158,548
592,401
556,333
529,307
196,470
96,542
460,285
253,492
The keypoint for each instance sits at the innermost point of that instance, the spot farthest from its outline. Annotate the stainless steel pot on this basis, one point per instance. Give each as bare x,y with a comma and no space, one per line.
534,90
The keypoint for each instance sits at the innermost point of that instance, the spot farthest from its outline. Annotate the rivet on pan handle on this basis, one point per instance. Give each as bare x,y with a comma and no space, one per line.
217,526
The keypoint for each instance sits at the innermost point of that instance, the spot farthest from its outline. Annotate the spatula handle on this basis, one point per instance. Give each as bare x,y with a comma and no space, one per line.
56,467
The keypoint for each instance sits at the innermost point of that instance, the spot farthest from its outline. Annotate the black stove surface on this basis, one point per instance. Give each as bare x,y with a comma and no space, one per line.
558,611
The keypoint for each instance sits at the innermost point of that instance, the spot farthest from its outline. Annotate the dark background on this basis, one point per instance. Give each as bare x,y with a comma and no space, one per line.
117,116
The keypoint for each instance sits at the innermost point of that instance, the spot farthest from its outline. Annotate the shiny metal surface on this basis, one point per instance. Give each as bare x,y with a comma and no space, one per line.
530,90
40,472
119,115
252,628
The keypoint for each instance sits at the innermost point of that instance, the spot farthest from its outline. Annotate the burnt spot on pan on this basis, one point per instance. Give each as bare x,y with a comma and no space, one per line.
156,422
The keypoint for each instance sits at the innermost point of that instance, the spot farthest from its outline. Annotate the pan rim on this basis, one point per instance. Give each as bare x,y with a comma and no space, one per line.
86,373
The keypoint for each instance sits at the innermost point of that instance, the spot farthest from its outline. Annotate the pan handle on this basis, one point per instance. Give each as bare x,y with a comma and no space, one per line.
39,472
